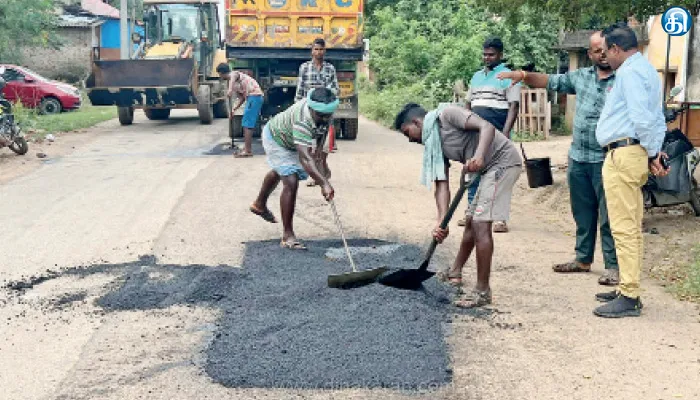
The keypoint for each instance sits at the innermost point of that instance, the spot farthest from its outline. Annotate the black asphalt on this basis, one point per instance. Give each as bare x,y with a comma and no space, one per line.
282,327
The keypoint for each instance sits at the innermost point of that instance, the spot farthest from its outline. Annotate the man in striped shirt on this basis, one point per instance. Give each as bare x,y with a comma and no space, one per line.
494,100
289,140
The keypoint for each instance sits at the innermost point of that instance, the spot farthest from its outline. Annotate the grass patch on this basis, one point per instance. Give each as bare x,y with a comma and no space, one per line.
526,136
686,280
85,117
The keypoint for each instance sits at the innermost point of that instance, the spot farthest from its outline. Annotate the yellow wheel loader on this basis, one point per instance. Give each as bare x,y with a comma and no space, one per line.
173,67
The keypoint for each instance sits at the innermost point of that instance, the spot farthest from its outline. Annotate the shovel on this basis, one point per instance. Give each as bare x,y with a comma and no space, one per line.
355,278
412,279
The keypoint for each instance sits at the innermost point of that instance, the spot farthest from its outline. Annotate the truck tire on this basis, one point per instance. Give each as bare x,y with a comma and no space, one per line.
157,114
126,115
235,129
204,106
350,128
221,109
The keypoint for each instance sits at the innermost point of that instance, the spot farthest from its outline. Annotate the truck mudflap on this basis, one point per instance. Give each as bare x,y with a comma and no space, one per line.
142,82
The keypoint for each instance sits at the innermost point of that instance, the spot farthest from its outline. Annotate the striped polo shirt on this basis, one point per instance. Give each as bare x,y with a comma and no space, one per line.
486,90
295,126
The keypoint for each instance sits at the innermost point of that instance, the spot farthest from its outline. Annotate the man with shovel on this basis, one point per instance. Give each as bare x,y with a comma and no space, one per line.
454,133
586,156
289,140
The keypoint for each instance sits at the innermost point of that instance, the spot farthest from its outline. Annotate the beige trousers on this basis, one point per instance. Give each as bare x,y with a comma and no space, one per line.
625,171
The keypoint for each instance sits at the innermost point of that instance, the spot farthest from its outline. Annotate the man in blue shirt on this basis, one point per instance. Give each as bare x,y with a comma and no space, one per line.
585,172
494,100
631,130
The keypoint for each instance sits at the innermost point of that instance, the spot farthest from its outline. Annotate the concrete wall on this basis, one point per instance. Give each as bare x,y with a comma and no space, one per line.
693,82
72,59
656,52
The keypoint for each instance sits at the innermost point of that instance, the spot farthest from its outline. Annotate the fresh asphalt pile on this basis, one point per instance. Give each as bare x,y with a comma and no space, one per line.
282,327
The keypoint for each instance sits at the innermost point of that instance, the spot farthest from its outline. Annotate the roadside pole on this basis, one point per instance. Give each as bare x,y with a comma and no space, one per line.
123,30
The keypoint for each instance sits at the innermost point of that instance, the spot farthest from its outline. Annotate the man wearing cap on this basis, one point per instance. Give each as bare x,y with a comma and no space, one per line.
289,139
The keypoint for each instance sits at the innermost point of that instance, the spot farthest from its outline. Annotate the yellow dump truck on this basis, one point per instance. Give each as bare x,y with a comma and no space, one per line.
270,39
174,66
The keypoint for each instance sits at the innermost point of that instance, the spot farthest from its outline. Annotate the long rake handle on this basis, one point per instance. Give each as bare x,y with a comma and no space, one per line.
342,234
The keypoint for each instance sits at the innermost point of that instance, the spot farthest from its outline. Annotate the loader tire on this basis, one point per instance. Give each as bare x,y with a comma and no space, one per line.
221,109
157,114
126,115
350,128
204,106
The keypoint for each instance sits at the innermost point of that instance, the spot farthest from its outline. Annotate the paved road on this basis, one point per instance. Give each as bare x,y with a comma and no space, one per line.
161,188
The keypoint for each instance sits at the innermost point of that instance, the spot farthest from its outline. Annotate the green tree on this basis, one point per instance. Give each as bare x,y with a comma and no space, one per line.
591,13
25,23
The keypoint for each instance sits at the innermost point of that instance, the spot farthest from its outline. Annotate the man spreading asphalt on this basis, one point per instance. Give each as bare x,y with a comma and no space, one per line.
289,140
631,130
494,100
248,91
454,133
585,172
318,73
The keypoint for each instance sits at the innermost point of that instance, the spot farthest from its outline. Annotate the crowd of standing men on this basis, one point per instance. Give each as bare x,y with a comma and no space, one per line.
617,136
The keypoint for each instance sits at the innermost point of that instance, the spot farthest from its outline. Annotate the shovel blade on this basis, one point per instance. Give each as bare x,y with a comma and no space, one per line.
355,279
409,279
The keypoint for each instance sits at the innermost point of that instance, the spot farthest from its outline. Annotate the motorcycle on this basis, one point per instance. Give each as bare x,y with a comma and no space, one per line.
10,133
679,186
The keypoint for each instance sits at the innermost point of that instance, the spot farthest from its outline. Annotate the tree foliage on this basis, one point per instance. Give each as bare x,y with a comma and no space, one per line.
417,40
591,13
25,23
419,48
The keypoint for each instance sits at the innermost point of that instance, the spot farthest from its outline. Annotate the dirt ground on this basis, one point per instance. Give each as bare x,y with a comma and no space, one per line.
113,193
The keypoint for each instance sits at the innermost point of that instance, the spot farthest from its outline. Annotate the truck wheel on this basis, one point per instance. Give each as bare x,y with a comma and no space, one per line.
126,115
204,106
695,197
351,127
235,127
221,109
157,114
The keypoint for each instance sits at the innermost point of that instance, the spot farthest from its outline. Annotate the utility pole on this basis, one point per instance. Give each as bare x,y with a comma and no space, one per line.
124,30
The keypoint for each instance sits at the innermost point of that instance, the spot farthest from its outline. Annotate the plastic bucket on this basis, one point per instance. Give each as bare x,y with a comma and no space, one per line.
539,172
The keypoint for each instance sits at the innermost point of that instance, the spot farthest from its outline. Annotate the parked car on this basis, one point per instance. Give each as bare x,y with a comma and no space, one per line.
35,91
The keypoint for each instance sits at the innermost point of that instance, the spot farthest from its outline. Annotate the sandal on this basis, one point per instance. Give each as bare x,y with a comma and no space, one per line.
500,227
453,279
311,183
243,154
573,266
474,298
292,245
462,222
611,277
264,214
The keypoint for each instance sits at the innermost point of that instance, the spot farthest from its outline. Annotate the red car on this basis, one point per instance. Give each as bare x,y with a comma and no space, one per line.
35,91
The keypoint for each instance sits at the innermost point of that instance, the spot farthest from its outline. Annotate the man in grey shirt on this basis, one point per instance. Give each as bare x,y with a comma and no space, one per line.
453,133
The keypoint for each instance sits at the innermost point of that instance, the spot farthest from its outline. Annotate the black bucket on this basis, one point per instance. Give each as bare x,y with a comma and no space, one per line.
539,170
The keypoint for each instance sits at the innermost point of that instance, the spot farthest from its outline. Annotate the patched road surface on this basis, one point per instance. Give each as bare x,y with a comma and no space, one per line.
131,268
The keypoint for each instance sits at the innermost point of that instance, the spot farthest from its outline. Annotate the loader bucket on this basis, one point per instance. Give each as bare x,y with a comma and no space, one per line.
142,82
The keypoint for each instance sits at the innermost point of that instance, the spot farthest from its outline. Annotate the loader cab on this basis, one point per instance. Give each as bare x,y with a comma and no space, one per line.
187,30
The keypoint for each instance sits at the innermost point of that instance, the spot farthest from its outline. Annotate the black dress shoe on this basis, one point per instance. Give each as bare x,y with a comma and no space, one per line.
621,306
607,296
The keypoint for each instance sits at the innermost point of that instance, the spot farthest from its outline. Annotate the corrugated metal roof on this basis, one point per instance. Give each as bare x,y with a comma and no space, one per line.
76,21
